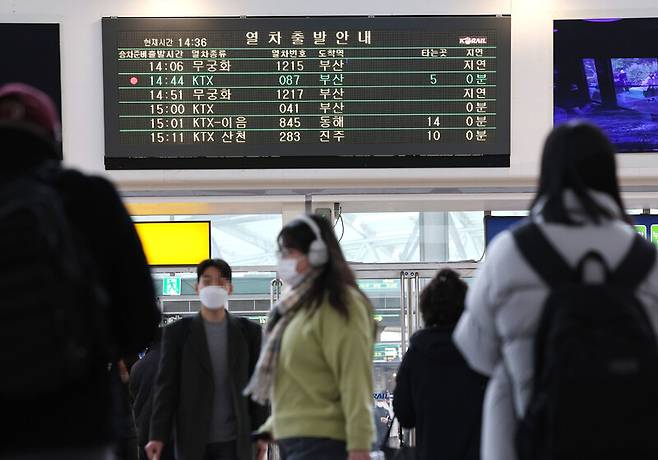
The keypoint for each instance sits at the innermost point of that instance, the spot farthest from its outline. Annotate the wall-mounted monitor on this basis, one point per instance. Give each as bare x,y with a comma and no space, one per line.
31,55
494,225
644,224
306,92
606,72
647,226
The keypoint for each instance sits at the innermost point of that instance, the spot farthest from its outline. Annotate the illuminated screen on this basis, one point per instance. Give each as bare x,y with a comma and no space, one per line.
175,243
306,92
494,225
606,72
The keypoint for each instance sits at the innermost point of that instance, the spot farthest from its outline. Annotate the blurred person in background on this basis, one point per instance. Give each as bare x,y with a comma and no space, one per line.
81,291
437,393
142,383
126,447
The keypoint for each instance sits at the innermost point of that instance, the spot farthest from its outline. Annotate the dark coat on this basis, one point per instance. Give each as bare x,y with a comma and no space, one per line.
81,415
438,394
185,389
142,386
142,382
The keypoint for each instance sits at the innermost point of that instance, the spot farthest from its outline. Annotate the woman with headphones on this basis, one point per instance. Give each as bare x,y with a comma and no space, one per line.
316,365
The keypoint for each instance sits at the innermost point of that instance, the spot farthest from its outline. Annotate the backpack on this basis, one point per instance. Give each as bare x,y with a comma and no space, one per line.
595,393
51,333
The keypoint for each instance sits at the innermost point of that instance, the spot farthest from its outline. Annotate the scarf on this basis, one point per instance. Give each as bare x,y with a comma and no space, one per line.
260,385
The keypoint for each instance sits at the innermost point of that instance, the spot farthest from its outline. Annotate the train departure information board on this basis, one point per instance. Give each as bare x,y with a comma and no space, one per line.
306,92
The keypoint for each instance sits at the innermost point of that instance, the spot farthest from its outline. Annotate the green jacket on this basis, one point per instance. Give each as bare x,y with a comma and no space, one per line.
324,382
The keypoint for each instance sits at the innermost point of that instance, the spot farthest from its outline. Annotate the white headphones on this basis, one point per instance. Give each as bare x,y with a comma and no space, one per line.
317,252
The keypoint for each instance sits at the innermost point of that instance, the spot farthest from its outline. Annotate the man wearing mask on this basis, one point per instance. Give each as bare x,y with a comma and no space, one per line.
206,362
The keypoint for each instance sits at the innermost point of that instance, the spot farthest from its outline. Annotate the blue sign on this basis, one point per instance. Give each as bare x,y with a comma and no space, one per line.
493,225
649,223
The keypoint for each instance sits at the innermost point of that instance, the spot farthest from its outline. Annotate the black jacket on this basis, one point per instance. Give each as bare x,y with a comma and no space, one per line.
142,383
439,395
142,386
81,415
184,386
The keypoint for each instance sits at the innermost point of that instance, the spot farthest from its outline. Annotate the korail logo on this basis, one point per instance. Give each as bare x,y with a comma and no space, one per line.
472,40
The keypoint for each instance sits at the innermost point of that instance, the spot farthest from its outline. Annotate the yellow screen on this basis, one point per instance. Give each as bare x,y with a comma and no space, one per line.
175,243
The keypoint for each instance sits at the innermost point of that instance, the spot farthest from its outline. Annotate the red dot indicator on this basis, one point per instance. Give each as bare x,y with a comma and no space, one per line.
134,80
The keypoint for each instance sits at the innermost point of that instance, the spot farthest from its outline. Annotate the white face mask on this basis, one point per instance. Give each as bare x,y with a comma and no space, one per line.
214,297
287,270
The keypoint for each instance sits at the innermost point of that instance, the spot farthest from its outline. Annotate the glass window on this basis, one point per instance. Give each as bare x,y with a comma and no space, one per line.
392,237
247,240
466,236
379,237
510,213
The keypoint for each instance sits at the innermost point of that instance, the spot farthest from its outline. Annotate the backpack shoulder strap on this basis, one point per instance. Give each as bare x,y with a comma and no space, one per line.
637,264
541,255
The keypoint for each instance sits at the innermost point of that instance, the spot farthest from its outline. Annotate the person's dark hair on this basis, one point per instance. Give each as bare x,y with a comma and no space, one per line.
335,277
221,265
442,301
578,157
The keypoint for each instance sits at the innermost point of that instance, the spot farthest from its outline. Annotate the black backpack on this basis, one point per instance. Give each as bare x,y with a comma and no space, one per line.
52,332
595,393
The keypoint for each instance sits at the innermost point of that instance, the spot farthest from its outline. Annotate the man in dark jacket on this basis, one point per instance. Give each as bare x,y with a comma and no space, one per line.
76,421
436,391
206,362
142,384
126,446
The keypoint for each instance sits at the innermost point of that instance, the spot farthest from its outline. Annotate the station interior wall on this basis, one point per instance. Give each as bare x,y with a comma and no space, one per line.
185,191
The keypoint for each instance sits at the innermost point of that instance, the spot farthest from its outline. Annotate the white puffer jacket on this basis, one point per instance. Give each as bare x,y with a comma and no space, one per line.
496,332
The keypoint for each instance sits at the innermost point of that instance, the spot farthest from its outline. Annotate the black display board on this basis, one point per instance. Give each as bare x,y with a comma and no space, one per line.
32,56
306,92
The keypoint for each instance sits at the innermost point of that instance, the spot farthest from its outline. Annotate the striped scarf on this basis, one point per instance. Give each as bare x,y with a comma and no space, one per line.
260,385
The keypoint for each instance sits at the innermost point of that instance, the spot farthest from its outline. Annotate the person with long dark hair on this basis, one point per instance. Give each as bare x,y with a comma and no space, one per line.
316,364
580,236
436,392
